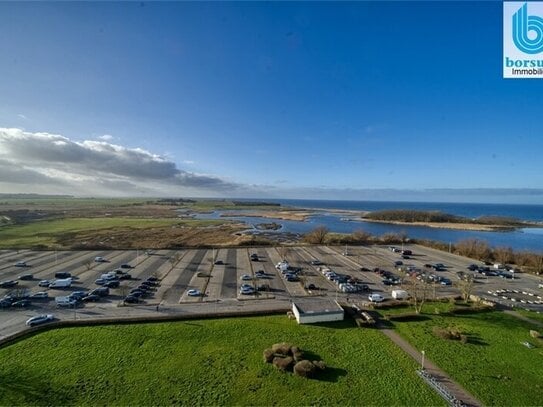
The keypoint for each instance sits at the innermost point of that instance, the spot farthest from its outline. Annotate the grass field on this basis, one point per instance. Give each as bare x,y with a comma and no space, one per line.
51,232
536,316
493,365
208,362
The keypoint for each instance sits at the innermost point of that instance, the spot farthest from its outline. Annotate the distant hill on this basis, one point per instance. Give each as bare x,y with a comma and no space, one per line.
32,196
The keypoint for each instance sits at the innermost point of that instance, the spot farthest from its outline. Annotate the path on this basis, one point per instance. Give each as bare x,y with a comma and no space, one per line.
524,318
452,387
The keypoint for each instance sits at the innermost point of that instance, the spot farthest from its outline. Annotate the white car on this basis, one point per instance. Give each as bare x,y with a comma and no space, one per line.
246,290
40,319
99,259
376,298
44,283
246,277
21,264
194,293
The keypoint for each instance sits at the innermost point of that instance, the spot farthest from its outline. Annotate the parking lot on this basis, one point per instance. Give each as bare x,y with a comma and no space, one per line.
195,276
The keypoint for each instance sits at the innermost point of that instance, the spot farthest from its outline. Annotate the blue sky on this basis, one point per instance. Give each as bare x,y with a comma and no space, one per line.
313,100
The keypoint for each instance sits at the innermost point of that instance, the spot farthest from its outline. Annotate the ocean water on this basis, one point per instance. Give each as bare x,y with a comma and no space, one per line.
469,210
520,239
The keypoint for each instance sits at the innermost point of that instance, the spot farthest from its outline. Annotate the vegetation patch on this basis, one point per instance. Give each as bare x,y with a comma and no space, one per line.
494,349
208,362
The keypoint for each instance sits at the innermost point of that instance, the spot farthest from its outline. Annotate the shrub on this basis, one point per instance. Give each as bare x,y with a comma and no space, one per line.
447,333
535,334
304,368
283,364
281,349
297,353
319,364
268,355
464,339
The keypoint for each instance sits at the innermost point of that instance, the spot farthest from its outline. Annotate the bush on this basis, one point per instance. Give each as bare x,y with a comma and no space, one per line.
447,333
297,353
281,349
283,364
535,334
268,355
304,368
319,364
464,339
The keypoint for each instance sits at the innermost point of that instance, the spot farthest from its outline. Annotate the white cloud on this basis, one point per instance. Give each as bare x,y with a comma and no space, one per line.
22,116
188,162
96,167
106,137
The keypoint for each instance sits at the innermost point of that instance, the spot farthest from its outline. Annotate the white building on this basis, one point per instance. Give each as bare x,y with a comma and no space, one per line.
316,310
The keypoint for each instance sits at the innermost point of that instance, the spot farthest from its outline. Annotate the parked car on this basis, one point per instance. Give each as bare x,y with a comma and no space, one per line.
26,277
219,262
316,262
63,274
126,266
39,319
21,264
131,300
100,291
8,283
311,287
376,298
254,257
247,290
41,295
445,281
112,284
44,283
194,293
5,303
90,298
263,287
100,281
21,303
125,276
246,277
100,259
152,278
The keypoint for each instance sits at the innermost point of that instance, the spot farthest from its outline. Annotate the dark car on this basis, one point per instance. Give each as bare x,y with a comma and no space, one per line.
91,298
26,277
77,295
137,293
131,300
8,283
112,284
21,303
254,257
473,267
62,274
126,266
387,282
407,252
125,276
219,262
152,278
100,291
311,287
364,269
5,303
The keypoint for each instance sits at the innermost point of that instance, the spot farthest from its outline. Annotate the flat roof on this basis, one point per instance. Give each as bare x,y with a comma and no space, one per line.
318,306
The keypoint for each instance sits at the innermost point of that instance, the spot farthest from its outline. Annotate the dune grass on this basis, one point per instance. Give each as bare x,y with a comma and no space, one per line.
207,362
48,232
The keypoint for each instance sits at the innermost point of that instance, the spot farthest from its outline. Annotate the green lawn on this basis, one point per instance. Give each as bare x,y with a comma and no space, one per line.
536,316
493,365
47,232
208,362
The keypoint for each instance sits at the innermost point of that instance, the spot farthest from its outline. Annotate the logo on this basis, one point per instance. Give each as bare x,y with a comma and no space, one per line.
527,31
523,39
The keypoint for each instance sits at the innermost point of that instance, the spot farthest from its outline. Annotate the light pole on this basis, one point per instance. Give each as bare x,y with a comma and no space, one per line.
422,360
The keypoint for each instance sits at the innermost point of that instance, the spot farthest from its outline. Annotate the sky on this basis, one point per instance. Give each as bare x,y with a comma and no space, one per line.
356,100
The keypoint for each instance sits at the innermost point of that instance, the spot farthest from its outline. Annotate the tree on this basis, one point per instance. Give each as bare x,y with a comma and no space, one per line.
175,259
284,252
419,292
317,235
88,264
466,286
503,255
473,248
361,237
537,263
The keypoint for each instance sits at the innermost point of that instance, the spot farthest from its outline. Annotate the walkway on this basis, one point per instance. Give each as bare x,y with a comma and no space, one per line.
452,387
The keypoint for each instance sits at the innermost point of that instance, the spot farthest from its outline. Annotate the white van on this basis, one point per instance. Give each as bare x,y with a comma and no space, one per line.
61,283
400,294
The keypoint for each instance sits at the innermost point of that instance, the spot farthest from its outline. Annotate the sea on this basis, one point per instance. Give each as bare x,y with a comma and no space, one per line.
520,239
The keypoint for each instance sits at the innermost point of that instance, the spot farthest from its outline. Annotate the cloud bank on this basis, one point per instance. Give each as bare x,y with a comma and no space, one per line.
51,163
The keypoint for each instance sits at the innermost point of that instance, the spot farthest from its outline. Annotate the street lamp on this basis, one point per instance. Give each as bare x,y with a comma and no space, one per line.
422,360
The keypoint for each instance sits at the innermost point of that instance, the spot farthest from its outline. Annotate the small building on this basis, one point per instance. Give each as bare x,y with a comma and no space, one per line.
311,311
